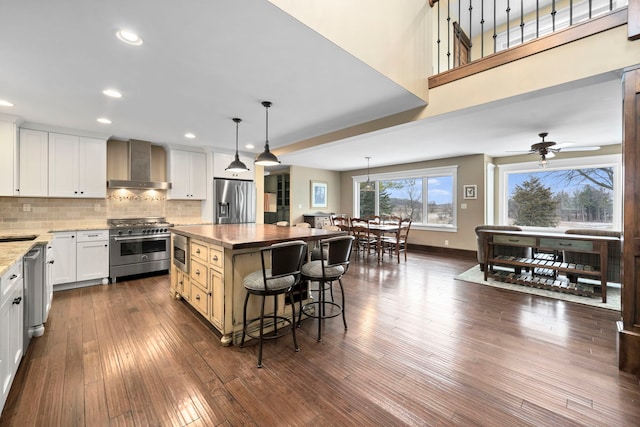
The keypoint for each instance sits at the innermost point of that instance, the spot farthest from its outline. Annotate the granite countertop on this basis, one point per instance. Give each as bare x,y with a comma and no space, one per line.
242,236
12,252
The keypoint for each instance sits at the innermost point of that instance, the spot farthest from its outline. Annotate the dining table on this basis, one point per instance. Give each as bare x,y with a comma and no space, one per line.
379,230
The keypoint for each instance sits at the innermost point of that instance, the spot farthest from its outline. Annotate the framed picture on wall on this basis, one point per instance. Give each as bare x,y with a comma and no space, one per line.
470,191
319,194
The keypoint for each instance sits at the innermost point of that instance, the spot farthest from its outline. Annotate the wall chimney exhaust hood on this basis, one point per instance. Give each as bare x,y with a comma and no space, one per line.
138,169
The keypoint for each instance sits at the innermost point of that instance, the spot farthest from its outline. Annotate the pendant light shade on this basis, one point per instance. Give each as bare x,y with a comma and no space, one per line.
369,186
237,165
266,158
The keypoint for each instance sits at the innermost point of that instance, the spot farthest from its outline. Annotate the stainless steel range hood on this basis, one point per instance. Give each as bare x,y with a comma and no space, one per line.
138,169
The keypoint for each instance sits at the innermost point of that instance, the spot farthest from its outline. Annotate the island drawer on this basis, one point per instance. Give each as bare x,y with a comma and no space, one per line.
215,257
514,240
566,244
199,251
200,301
199,273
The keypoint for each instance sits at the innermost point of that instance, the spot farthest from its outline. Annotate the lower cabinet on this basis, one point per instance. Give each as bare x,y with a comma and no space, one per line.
11,327
203,287
180,283
80,256
92,255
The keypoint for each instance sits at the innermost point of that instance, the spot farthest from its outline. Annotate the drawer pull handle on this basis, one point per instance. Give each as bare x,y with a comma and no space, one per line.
564,244
17,300
197,271
198,297
215,257
514,240
197,251
92,235
13,276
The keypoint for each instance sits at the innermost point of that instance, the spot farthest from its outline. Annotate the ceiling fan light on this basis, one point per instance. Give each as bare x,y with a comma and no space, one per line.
543,161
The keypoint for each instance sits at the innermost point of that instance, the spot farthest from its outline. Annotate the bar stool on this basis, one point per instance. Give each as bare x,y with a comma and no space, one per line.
331,266
284,274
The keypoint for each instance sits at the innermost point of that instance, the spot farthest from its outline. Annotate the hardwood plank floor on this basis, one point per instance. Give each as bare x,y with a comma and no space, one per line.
421,349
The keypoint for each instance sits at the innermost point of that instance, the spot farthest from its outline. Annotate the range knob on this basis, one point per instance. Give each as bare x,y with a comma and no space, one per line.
130,231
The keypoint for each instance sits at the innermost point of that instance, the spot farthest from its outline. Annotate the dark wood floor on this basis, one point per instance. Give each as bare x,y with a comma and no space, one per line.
421,349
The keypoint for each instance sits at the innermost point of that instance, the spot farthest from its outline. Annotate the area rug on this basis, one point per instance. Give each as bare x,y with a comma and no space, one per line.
474,275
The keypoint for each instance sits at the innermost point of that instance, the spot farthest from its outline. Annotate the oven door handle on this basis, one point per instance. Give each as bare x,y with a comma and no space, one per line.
124,239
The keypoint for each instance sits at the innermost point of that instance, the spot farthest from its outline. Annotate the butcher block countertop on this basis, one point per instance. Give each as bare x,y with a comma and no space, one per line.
244,236
12,252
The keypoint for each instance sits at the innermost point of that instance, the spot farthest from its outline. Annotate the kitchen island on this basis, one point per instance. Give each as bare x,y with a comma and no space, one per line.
217,260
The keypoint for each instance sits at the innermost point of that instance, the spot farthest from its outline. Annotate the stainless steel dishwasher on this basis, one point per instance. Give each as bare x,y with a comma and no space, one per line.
34,293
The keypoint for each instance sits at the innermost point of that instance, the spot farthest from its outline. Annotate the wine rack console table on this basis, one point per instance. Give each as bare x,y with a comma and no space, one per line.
542,271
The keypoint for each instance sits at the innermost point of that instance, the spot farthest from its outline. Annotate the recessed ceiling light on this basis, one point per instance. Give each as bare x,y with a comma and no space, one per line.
129,37
104,120
4,103
249,146
189,135
112,93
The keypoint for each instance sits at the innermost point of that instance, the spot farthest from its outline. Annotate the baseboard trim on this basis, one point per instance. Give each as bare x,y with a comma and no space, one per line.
458,253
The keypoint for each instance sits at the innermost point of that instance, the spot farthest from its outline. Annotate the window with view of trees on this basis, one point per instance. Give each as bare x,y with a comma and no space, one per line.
575,197
426,196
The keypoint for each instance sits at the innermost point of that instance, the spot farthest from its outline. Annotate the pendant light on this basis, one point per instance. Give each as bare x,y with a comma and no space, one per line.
237,165
369,186
266,158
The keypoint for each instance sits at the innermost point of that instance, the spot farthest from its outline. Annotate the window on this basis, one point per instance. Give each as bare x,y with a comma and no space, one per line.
567,195
427,196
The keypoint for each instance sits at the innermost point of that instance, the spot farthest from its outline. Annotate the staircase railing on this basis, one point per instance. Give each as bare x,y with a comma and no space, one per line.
469,30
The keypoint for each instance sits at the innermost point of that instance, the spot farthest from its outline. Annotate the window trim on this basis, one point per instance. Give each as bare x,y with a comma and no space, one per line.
607,160
412,173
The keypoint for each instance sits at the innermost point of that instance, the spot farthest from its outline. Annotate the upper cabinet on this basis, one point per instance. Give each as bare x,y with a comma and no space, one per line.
221,161
32,164
188,175
77,166
8,148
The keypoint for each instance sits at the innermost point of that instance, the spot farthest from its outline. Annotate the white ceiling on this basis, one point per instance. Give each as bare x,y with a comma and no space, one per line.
205,62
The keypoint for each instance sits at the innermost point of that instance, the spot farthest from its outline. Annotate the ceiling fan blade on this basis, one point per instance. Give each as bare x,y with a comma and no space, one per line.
590,148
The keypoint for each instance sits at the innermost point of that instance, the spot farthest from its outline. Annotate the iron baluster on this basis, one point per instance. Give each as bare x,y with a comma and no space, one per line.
521,21
508,22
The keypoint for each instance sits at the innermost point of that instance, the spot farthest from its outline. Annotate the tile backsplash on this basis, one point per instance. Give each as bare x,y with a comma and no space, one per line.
41,213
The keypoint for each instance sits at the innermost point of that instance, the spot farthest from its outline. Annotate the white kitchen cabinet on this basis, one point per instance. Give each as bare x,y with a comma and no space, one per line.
188,175
11,327
92,255
33,164
77,166
64,254
221,161
9,150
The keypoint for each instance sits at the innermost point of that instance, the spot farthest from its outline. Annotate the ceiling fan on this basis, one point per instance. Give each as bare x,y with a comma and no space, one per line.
548,149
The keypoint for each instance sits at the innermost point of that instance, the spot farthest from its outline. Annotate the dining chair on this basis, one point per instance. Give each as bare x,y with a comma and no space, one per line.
328,269
397,242
280,273
374,219
362,234
342,222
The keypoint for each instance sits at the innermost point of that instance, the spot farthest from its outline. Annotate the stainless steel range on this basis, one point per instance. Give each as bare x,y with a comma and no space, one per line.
138,245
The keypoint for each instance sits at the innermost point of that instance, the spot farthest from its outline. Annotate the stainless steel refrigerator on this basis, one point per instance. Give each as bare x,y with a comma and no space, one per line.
234,201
